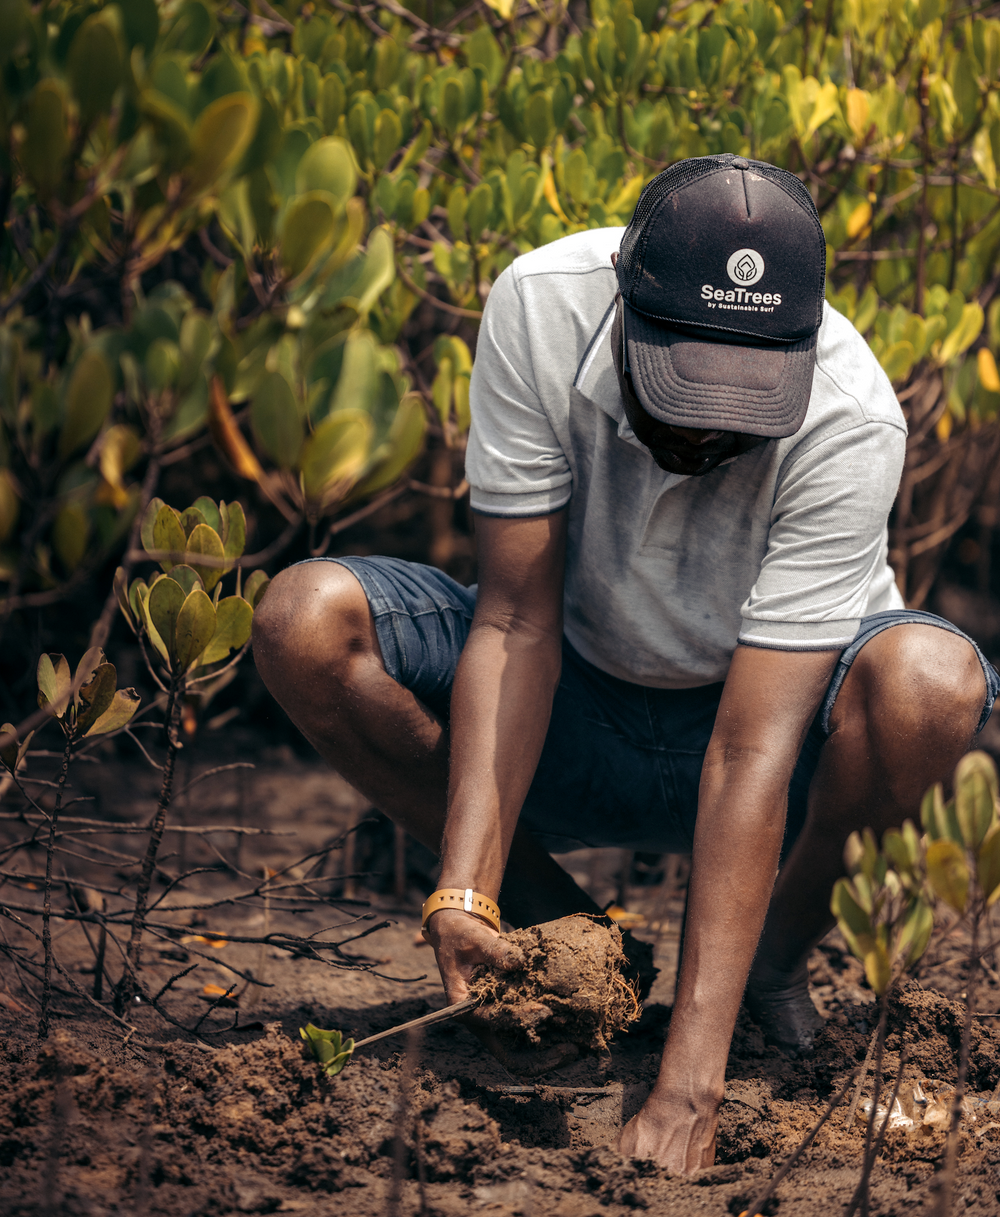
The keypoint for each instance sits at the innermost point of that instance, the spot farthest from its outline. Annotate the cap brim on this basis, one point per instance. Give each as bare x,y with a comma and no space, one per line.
688,381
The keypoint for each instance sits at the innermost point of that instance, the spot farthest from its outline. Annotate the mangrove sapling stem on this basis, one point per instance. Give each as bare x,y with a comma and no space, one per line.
883,1129
43,1021
951,1147
152,848
760,1200
861,1080
869,1159
425,1020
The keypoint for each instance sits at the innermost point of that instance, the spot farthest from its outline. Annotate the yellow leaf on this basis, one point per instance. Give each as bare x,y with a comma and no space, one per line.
989,378
859,220
857,114
948,873
825,107
969,327
549,190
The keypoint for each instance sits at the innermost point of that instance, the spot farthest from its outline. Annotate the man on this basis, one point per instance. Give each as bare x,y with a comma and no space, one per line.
682,463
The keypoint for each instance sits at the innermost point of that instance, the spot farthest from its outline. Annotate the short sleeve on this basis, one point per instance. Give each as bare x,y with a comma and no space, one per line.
827,541
514,462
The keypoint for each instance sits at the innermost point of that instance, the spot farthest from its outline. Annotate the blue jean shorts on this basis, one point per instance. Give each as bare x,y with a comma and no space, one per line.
622,762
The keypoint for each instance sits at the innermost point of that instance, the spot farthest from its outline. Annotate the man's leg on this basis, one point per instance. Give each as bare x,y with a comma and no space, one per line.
317,650
906,713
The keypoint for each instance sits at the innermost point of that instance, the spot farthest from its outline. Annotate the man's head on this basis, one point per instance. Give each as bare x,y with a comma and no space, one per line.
721,277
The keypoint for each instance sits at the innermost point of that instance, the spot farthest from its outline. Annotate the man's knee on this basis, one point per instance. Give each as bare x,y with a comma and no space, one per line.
916,682
315,617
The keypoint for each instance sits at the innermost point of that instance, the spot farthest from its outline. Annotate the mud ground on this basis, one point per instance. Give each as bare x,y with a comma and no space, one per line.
98,1120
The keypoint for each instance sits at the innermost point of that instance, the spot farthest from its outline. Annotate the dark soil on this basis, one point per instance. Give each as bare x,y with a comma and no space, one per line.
98,1121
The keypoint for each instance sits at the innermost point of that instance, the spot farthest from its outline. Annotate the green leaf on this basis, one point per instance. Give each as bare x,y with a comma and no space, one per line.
255,587
46,137
388,137
276,422
71,534
975,797
195,627
187,577
897,360
854,923
191,517
54,683
148,520
932,812
206,541
878,969
328,166
379,270
331,102
403,445
234,617
914,933
306,231
948,873
95,66
96,696
334,456
329,1048
220,137
123,706
988,865
965,333
168,535
162,607
88,400
235,536
13,753
210,512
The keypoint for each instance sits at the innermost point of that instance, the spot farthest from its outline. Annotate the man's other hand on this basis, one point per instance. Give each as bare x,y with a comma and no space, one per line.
678,1135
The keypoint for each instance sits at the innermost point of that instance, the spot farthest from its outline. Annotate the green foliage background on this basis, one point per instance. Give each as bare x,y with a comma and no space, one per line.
281,221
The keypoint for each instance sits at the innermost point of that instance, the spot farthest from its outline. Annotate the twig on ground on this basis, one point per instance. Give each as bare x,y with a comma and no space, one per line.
762,1198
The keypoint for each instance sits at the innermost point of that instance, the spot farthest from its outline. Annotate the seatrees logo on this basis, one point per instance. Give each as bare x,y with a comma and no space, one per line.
745,267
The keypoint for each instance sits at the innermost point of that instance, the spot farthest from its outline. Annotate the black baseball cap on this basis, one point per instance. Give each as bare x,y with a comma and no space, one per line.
721,273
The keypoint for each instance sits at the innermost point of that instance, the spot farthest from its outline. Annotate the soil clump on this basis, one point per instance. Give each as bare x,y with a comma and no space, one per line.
571,990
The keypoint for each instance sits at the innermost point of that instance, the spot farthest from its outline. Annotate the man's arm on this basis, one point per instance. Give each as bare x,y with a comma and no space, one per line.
500,708
767,706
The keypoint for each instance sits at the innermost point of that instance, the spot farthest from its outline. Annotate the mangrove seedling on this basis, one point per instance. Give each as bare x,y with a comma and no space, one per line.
329,1048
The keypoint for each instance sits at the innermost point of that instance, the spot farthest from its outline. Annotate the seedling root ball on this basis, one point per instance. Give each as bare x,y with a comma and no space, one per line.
570,991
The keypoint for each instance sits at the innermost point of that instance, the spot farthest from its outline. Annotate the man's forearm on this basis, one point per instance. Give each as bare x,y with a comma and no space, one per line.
737,843
500,709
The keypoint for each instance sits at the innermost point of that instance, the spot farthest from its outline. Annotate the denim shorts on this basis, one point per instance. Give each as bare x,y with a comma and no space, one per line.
622,762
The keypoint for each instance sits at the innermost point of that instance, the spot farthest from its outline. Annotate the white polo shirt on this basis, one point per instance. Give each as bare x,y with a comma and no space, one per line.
784,546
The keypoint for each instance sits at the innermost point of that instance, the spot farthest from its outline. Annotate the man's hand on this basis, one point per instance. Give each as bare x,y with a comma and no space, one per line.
460,942
678,1135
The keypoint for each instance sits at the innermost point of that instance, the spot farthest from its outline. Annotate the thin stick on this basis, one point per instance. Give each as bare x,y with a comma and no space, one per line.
852,1110
947,1177
877,1147
43,1021
762,1199
425,1020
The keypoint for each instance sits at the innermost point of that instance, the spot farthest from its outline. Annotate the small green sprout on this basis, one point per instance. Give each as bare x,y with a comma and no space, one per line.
328,1047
